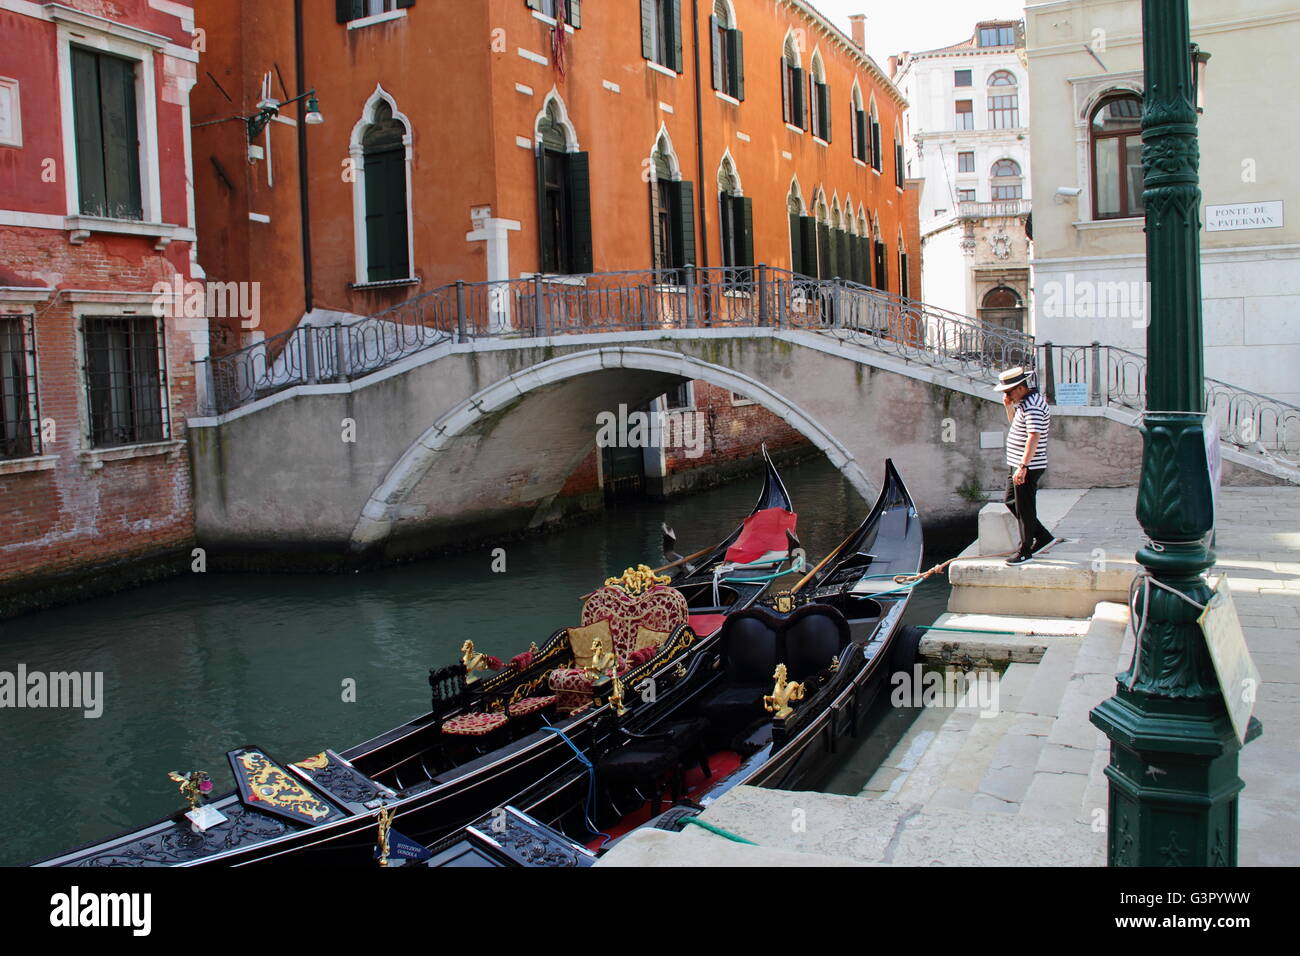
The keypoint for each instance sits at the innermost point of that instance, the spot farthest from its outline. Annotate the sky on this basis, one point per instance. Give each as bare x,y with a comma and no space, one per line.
897,25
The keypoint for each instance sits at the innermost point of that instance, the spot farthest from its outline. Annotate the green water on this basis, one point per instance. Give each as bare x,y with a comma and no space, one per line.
203,663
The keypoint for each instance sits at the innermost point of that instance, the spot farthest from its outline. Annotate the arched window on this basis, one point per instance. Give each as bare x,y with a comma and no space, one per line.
563,195
820,99
792,87
736,215
880,268
672,211
875,136
1002,307
1004,101
898,157
801,226
858,124
383,195
903,285
1007,183
728,51
1115,132
823,214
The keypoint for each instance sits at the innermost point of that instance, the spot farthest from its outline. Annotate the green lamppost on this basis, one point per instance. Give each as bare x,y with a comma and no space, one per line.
1173,770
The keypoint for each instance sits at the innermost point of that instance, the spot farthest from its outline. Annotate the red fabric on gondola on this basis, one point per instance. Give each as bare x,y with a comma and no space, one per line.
705,624
763,532
723,764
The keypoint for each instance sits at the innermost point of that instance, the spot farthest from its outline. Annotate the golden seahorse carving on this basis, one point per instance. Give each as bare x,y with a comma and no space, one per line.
783,694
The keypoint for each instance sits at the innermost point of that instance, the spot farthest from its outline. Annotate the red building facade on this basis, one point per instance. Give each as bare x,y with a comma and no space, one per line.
96,220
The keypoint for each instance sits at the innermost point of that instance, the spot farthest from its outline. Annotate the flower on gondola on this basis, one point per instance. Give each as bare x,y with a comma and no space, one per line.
494,663
205,786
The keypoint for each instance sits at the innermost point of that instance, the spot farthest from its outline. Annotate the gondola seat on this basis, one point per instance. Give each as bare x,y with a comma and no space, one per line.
530,705
473,725
649,768
660,609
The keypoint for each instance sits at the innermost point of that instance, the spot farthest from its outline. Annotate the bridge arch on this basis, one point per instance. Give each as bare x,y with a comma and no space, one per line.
382,509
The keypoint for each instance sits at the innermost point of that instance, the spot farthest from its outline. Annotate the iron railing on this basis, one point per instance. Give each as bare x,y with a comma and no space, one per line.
1107,375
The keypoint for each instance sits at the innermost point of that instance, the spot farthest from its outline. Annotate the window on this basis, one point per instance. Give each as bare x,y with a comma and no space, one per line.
125,380
383,147
899,172
997,36
875,138
348,10
1006,180
819,96
563,198
661,32
961,77
858,127
792,89
728,53
106,133
672,215
683,396
903,288
1002,307
966,195
1004,105
966,162
965,114
1116,134
19,418
736,214
570,10
882,270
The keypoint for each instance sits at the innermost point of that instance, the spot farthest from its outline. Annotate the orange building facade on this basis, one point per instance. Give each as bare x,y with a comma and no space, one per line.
508,137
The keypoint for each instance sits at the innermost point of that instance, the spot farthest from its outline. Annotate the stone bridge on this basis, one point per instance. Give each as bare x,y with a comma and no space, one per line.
465,441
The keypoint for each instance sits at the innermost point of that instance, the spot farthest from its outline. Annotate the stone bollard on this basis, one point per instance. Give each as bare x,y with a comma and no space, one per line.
999,531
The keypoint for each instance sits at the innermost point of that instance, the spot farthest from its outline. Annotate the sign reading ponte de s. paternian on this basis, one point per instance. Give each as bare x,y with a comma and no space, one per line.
1246,215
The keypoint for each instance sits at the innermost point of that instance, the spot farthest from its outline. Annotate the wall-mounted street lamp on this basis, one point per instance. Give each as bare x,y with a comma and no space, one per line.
1199,61
267,109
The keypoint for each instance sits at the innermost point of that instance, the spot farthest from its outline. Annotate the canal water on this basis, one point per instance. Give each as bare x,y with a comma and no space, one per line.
200,664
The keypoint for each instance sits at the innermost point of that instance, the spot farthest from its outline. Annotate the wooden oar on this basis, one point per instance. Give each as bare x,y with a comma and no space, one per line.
689,557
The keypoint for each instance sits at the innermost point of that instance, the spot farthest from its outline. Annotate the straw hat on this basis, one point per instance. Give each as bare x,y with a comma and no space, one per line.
1011,378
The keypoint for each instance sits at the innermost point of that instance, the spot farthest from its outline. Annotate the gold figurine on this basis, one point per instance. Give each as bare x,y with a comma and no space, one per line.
638,580
616,695
473,661
194,786
600,661
385,824
782,694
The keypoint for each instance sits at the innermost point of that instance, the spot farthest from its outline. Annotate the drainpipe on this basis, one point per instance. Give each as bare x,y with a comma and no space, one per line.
304,211
701,250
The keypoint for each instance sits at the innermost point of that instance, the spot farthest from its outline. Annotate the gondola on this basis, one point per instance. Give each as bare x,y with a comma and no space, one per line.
324,808
837,636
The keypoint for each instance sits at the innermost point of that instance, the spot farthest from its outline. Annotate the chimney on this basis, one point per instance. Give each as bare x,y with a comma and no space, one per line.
858,28
893,67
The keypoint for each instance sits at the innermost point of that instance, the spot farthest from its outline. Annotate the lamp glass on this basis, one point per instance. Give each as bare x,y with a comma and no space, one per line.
313,116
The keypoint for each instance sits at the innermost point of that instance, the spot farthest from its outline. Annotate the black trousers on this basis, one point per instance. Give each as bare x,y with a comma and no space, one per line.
1022,501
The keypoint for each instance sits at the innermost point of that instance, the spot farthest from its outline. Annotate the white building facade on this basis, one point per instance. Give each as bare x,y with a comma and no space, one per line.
1085,59
968,136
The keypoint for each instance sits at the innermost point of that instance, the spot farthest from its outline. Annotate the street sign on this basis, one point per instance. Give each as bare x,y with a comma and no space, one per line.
1238,676
1246,215
1072,393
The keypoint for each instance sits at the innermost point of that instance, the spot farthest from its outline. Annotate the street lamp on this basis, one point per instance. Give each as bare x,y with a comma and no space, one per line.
1200,60
267,109
1173,764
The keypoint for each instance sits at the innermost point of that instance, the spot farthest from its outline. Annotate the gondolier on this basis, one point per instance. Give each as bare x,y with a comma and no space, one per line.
1030,421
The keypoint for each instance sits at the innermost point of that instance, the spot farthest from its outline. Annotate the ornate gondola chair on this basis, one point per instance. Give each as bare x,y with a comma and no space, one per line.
482,721
629,616
754,642
650,765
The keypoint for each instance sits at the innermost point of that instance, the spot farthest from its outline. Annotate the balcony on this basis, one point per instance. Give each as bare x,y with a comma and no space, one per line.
1002,209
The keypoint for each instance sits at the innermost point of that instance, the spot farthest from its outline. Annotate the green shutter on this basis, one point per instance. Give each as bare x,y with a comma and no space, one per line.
882,267
385,195
90,143
683,219
736,59
675,52
860,124
808,240
347,10
823,250
725,230
121,137
875,146
578,186
715,41
745,226
796,93
785,92
545,253
402,4
826,112
902,276
648,29
796,246
574,18
898,164
533,4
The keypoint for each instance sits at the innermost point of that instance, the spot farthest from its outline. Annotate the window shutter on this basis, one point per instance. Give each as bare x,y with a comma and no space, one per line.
902,275
826,112
796,96
573,17
860,123
875,146
120,137
744,207
823,251
683,215
403,4
813,118
545,253
898,165
675,53
347,10
808,240
882,267
796,247
578,185
715,37
90,143
785,91
726,229
736,58
647,29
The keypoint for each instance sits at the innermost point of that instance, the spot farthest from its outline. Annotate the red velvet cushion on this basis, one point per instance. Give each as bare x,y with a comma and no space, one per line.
706,624
763,532
473,725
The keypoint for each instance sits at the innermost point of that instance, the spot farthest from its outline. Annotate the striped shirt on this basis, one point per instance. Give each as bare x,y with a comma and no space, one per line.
1032,415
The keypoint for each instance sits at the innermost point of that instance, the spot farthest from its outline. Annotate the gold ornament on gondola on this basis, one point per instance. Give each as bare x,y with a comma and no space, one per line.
636,581
616,695
600,661
194,786
473,661
385,824
783,694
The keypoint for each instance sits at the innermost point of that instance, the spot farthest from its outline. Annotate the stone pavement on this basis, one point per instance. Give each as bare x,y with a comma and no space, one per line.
1026,786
